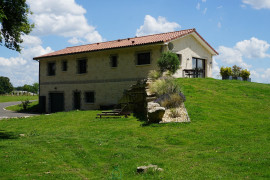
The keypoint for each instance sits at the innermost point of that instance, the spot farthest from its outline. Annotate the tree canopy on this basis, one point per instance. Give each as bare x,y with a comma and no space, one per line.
5,85
168,61
14,23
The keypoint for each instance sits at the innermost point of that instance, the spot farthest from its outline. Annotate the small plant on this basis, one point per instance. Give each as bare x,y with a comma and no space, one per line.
245,74
225,72
168,61
172,101
164,86
153,74
25,104
174,113
236,70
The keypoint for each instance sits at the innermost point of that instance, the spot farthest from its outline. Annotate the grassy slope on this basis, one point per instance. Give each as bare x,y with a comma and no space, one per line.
227,138
16,98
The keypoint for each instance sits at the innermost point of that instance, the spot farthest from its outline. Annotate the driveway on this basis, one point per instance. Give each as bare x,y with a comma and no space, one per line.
11,114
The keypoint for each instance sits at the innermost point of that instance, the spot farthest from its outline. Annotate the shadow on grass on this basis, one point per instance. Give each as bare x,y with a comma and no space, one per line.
7,135
34,109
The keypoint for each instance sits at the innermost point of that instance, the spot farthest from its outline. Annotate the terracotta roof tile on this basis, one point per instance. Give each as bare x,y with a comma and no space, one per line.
156,38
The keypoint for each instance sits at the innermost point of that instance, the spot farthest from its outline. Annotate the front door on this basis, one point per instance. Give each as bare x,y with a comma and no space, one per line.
199,66
56,102
77,100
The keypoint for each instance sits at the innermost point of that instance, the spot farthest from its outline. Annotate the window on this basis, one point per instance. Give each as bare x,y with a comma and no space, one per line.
51,68
64,65
82,65
180,58
89,97
113,61
143,58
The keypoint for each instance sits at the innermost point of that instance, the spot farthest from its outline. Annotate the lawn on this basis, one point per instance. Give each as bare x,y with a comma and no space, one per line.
32,108
228,138
8,98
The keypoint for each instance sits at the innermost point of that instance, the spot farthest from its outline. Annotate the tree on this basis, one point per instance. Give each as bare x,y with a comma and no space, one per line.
14,23
236,71
5,85
168,61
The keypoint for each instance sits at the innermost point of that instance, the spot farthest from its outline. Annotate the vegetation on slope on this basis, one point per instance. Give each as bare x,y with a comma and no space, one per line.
228,137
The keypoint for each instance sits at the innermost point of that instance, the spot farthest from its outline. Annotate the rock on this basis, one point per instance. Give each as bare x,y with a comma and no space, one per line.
22,135
155,112
144,169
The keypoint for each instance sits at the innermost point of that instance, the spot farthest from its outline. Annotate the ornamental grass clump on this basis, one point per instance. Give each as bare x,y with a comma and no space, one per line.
164,86
171,100
154,75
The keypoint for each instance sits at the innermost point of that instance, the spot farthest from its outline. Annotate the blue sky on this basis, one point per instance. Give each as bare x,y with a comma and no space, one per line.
237,29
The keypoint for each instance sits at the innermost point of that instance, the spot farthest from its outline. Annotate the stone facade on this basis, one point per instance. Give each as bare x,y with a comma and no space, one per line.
108,83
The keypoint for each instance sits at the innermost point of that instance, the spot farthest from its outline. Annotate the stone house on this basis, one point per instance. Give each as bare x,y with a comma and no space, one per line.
89,76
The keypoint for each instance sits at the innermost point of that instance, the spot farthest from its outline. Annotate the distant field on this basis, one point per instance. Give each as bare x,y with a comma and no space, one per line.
16,98
228,138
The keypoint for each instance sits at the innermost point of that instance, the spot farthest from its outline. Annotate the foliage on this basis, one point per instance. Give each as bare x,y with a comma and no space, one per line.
245,74
225,71
221,142
174,113
236,70
5,85
32,108
29,88
171,100
25,104
153,74
168,61
14,23
164,86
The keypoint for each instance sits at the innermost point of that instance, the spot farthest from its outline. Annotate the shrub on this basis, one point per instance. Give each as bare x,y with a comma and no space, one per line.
168,61
164,86
236,70
245,74
172,100
153,74
25,104
174,113
225,72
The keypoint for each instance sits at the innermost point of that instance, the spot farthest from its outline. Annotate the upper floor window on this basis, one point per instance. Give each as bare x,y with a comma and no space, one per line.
51,68
143,58
113,61
64,65
82,66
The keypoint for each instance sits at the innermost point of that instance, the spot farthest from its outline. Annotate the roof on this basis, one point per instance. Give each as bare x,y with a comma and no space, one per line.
136,41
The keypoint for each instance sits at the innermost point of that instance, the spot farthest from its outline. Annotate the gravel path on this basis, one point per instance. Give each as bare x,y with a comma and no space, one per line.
11,114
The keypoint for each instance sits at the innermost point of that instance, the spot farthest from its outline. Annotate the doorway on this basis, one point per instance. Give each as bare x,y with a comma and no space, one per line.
199,66
77,99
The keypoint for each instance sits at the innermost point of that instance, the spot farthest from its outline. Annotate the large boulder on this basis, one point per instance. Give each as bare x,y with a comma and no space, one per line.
155,112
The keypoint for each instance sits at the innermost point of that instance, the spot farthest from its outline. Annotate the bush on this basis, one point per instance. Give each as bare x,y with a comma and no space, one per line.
225,72
172,101
153,74
164,86
25,104
236,70
245,74
168,61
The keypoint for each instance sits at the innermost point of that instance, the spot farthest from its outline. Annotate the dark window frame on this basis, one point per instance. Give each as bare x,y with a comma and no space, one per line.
91,100
139,62
81,69
64,65
51,68
113,61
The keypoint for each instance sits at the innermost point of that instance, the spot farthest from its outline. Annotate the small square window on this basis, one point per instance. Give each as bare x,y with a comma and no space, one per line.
51,68
143,58
64,65
89,97
113,61
82,65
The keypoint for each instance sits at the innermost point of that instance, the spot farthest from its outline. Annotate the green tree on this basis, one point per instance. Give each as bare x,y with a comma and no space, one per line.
5,85
168,61
35,88
14,23
236,71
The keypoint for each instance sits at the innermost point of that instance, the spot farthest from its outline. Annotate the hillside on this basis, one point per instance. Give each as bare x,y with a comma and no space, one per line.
228,137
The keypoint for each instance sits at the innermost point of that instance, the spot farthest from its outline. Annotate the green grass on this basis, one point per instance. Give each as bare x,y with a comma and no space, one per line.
228,138
32,108
8,98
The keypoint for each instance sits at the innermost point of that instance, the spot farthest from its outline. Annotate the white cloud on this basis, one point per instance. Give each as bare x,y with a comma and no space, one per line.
258,4
203,0
215,69
198,6
253,48
153,26
219,7
22,69
260,75
62,17
205,10
219,24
